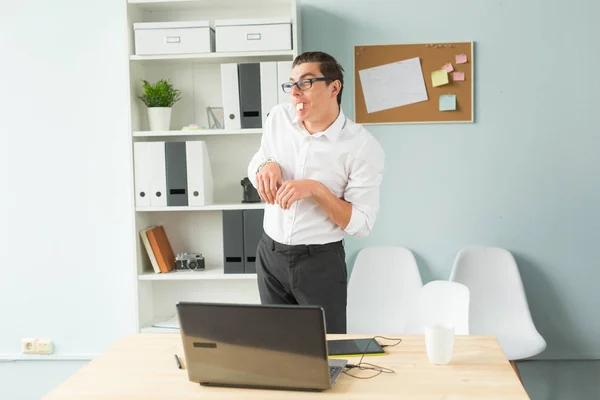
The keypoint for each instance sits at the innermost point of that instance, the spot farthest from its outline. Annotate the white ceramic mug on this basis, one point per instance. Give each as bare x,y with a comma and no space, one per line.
439,342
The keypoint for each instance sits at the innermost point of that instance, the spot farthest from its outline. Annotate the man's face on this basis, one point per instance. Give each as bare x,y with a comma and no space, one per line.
316,100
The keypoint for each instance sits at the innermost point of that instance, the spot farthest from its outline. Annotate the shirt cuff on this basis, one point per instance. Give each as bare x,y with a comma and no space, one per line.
252,167
357,222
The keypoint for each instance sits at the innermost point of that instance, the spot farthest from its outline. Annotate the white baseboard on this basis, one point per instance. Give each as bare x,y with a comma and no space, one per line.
49,357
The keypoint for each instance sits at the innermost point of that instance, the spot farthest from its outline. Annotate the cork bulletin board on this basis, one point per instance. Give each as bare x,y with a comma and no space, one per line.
413,83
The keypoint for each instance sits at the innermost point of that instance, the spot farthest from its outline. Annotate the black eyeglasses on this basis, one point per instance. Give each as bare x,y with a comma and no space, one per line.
303,84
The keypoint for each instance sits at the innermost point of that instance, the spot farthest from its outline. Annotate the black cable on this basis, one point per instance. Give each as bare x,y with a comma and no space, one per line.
369,366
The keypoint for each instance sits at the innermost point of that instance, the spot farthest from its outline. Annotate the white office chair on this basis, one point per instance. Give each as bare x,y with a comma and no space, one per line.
498,302
385,281
440,302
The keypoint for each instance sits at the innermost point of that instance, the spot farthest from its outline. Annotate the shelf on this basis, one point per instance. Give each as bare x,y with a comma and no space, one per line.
181,5
202,132
210,273
254,56
212,207
152,329
169,325
163,5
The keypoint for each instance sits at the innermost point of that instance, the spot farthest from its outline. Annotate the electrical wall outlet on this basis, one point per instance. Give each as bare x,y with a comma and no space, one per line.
28,346
44,346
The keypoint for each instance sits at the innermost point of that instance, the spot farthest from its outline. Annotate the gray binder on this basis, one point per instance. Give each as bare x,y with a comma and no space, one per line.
250,101
175,160
253,229
233,241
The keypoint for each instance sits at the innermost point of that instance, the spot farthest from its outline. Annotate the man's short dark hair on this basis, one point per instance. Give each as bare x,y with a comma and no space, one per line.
328,66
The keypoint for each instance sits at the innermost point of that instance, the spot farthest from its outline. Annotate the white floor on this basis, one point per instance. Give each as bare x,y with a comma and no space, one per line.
544,380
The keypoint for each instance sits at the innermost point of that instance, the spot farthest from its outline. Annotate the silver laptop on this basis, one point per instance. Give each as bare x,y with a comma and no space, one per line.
257,346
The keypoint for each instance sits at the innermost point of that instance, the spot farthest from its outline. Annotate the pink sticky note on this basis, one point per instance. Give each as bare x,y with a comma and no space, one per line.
448,67
461,58
458,76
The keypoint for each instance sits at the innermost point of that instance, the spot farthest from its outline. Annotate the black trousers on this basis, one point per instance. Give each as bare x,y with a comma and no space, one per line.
306,275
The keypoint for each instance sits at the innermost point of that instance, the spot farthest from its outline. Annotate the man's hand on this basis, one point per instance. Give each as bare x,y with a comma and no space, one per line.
269,180
292,191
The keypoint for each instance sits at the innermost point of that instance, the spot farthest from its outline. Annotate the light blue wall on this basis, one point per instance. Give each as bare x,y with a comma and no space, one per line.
31,380
66,218
524,177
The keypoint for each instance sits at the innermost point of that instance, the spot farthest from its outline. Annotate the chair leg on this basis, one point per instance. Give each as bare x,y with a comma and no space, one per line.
513,364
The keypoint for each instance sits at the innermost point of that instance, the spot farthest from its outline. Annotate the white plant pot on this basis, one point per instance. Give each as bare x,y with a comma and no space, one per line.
159,118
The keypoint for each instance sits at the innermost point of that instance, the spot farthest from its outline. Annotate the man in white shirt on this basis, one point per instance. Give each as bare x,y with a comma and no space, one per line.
319,174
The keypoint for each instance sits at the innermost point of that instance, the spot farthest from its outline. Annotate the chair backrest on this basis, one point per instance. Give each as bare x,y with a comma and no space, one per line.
498,303
440,302
384,282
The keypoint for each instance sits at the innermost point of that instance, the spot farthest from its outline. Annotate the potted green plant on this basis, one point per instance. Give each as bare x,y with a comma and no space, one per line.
159,98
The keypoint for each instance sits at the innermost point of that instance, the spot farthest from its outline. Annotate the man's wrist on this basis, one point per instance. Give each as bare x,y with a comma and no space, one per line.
267,161
317,190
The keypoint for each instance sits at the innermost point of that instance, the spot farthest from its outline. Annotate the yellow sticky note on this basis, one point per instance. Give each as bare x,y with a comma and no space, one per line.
439,77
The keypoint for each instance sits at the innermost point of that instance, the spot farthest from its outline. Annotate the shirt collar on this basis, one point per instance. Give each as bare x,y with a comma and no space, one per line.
333,132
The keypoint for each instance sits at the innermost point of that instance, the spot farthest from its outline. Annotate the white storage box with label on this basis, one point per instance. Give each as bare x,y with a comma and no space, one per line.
182,37
253,34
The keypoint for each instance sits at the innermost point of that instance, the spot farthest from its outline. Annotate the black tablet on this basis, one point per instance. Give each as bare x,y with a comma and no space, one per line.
354,347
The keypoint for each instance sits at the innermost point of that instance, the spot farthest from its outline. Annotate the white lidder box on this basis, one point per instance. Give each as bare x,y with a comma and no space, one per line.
181,37
234,35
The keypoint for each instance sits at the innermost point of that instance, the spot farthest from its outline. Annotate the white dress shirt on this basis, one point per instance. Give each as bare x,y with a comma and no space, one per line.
345,158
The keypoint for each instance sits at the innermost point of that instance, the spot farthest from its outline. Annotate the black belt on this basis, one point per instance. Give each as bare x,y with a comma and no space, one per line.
299,248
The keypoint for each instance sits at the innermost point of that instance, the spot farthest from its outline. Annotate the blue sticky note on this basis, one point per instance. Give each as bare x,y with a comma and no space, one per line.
447,102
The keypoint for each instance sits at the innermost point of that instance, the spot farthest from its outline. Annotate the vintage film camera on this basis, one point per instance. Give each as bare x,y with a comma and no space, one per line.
189,261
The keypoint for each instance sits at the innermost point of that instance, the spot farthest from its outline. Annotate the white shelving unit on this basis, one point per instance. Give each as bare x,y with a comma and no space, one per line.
218,57
211,273
151,329
200,132
212,207
196,229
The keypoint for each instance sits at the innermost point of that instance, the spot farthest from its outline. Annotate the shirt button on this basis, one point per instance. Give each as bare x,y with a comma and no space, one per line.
307,139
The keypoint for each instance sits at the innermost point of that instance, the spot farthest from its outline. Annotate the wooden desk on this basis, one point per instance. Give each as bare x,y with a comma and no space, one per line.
143,367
